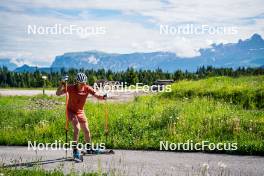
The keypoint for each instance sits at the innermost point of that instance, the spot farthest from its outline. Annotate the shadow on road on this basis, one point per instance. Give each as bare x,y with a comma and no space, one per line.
34,163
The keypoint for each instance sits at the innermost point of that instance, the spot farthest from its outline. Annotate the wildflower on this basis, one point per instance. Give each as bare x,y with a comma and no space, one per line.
205,166
221,165
204,169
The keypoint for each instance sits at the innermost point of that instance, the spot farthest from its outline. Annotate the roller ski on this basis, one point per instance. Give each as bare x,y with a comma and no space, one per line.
97,151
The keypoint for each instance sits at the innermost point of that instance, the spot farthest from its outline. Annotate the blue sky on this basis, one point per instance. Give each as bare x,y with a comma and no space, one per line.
130,26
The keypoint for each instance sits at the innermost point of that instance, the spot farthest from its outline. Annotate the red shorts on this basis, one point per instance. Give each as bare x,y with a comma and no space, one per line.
79,116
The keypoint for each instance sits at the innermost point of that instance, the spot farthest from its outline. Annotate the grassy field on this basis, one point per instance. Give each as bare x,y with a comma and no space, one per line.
26,88
219,109
245,91
41,172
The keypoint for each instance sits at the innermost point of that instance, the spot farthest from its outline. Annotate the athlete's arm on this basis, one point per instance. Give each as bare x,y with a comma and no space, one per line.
95,94
100,97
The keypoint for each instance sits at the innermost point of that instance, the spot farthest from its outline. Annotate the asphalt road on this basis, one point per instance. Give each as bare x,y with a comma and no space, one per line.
128,162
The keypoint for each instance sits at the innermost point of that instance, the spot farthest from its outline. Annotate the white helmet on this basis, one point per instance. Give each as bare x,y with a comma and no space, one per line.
81,78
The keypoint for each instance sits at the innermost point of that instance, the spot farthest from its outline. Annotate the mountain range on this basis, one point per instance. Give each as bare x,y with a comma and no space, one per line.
244,53
7,63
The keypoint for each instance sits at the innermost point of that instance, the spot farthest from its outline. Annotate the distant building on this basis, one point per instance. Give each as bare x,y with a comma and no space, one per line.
112,83
101,82
163,82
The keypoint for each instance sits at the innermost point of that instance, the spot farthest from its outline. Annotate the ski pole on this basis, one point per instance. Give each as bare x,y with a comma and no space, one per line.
66,113
106,119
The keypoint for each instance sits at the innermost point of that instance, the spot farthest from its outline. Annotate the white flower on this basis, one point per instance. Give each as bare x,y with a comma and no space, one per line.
205,166
221,165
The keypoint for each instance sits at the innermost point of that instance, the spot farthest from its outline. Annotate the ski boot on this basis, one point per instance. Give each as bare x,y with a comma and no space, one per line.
77,156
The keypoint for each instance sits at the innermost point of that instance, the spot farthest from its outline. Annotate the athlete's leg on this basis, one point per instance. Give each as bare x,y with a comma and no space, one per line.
86,131
76,129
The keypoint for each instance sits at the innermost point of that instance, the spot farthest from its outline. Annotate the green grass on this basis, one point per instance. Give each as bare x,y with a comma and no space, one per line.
143,123
27,88
246,91
39,172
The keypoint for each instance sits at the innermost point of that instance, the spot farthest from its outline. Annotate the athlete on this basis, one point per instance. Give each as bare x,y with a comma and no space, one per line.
75,110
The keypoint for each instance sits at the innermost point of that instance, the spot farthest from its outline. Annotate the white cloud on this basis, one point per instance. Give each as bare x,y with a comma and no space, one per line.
122,36
17,58
125,5
201,11
91,60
